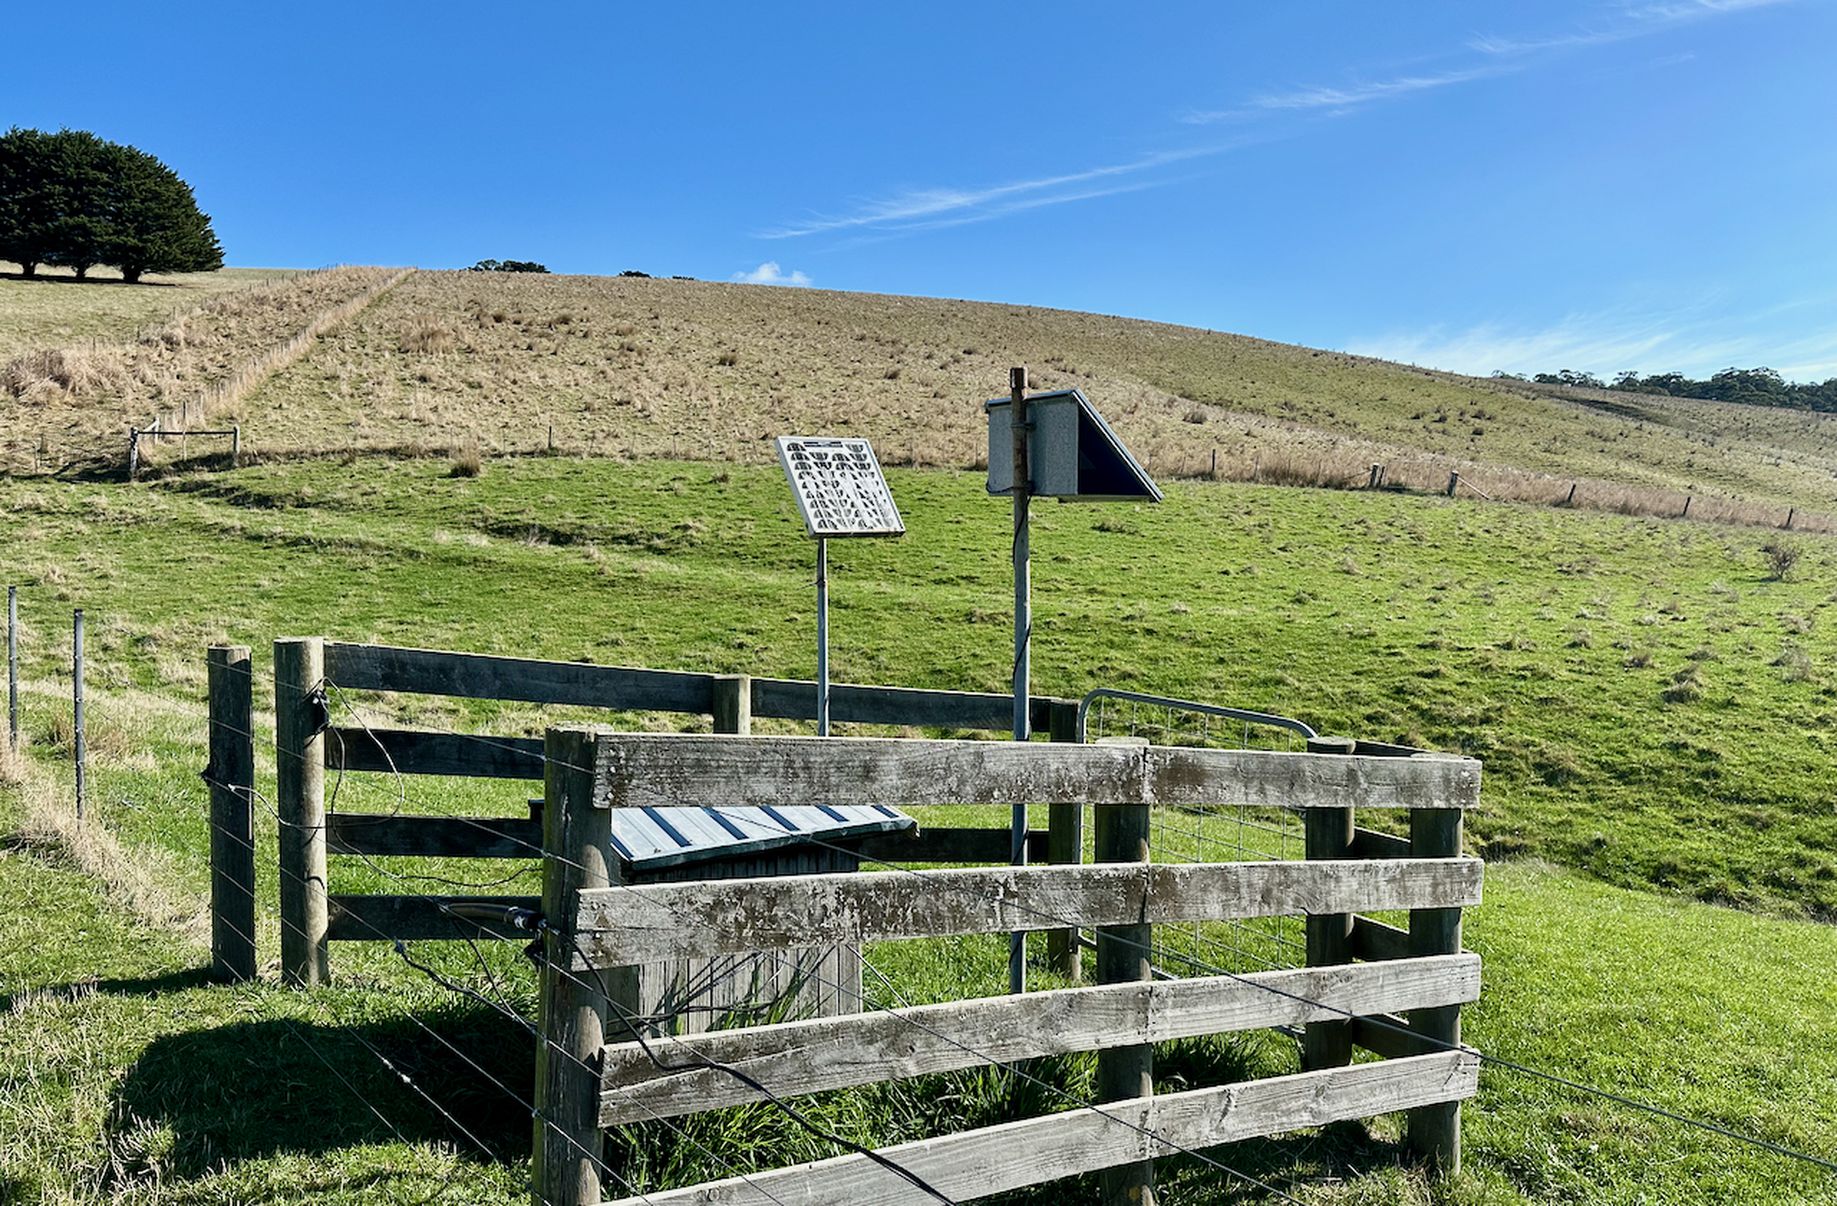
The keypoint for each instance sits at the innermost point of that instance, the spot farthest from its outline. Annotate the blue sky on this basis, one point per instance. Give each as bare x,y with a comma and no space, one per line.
1647,184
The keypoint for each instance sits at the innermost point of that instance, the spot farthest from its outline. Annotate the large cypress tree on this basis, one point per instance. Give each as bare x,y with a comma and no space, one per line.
159,227
74,199
34,192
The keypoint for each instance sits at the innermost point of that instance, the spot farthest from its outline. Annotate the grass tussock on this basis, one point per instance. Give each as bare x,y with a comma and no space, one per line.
468,460
1782,557
428,335
12,763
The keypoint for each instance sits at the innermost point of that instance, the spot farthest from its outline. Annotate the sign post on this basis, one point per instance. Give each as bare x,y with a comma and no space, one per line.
1023,642
1052,445
840,491
822,636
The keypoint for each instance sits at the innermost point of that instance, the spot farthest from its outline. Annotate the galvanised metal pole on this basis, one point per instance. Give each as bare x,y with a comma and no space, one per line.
822,637
12,664
1023,641
82,752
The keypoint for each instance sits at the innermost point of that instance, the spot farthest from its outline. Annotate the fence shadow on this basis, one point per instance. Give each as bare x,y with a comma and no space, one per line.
253,1089
133,986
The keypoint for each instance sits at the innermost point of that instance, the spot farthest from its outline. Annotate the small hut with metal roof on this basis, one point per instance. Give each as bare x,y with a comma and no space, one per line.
660,845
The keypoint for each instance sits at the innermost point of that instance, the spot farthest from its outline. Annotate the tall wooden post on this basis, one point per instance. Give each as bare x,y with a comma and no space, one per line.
1685,514
576,853
1570,500
299,768
1454,483
1064,841
733,704
1327,833
1434,1132
1023,639
1123,957
231,773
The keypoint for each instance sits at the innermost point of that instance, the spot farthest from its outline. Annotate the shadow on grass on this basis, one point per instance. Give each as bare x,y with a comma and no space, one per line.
41,278
249,1090
131,986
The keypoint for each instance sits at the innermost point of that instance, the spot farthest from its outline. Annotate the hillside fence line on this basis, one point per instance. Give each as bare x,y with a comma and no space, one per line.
242,381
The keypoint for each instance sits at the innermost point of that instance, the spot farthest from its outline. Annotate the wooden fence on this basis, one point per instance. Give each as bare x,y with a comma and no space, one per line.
1363,981
309,741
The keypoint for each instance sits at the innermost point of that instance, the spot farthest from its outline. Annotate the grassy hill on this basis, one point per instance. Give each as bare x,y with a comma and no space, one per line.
1632,684
650,367
1654,708
56,310
639,367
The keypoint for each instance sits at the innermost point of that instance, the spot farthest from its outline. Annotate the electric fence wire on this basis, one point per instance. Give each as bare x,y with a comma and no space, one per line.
627,1018
1381,1023
483,1072
703,1060
400,1075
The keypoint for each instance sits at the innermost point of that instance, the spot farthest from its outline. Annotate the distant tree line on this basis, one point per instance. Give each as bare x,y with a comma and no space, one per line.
75,200
1751,387
507,266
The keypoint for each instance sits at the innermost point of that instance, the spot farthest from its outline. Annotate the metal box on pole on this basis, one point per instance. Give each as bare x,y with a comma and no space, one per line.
1059,447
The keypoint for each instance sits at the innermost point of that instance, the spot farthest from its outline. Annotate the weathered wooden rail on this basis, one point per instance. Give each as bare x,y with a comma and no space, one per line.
309,743
593,1073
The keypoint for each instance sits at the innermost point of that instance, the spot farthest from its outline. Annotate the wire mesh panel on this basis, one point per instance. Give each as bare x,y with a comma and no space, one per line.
1202,834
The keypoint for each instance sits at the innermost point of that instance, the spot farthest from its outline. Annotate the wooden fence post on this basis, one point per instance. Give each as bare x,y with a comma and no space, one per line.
1327,833
1570,501
1454,483
733,704
1065,841
1790,512
571,1023
1123,957
299,769
231,773
236,446
133,453
1434,1132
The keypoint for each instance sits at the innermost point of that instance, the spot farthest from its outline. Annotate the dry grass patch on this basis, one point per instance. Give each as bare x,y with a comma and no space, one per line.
49,827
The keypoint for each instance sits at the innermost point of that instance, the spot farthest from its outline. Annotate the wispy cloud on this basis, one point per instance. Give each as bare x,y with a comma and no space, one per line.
769,273
1610,341
1499,56
922,208
1350,96
930,208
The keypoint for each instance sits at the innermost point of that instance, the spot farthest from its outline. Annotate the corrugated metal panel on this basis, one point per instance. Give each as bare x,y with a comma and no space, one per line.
648,838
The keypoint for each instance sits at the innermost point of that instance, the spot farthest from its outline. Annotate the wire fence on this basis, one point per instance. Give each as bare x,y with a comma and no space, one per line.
1181,835
1193,833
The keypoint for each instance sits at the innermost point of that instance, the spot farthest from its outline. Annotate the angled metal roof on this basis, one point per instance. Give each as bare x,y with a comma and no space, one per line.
648,838
1073,453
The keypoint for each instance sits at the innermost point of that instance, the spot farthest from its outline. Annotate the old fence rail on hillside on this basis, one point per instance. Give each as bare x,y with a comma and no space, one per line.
314,735
594,1069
